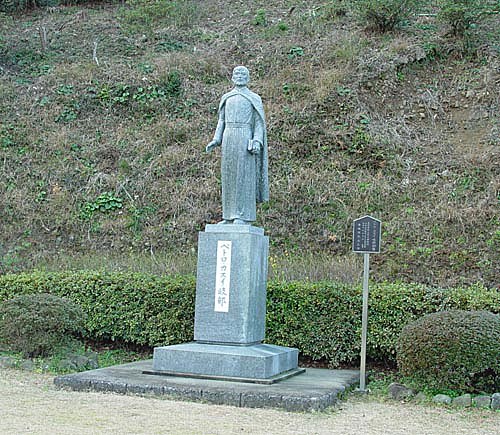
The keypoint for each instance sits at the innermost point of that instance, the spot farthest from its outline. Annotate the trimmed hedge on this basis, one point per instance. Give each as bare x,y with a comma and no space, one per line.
457,350
129,307
394,305
323,320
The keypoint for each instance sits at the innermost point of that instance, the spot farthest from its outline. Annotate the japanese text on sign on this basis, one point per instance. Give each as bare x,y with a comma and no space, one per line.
223,276
366,235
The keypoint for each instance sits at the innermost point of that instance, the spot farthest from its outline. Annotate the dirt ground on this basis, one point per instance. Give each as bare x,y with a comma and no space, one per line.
29,404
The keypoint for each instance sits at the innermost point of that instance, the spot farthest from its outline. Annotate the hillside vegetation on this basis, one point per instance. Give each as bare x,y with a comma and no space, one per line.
106,109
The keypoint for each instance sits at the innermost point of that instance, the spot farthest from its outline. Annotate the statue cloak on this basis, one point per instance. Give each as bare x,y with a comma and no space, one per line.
261,163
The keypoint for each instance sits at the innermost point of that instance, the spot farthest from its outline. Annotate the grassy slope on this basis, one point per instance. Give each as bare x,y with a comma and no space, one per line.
400,126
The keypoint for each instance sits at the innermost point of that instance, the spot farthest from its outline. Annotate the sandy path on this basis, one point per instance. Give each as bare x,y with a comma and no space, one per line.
29,404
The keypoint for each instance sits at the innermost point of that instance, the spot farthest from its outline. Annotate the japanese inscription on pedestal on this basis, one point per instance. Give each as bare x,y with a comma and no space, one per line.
223,276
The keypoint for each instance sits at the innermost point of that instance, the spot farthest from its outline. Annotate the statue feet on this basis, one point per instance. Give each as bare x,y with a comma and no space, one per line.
234,222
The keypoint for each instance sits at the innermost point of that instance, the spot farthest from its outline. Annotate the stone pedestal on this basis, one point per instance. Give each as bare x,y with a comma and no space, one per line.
230,312
245,319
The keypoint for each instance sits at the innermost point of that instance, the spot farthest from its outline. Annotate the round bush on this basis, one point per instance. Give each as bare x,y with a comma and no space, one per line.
38,324
457,350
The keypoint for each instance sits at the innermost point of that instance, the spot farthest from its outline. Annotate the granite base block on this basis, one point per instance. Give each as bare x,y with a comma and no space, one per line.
259,361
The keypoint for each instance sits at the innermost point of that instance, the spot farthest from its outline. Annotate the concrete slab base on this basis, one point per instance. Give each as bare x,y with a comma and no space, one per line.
316,389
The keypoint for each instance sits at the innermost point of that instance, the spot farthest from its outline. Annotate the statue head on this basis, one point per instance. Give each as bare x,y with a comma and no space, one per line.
241,76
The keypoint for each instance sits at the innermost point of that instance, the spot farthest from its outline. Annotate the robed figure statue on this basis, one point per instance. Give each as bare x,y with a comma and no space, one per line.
241,131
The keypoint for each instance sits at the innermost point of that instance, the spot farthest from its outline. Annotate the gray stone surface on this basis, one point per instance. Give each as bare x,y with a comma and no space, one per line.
400,391
79,362
259,361
7,362
442,398
244,323
316,389
482,401
463,401
234,228
495,401
27,365
421,397
67,364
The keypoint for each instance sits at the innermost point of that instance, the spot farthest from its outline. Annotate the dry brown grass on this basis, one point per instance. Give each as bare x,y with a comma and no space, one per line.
358,124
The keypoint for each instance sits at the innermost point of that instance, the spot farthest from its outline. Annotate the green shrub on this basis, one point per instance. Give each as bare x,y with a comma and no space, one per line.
394,305
457,350
39,324
323,319
135,97
384,15
461,14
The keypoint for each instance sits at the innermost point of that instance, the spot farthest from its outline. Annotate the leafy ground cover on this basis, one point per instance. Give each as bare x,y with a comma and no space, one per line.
78,357
106,109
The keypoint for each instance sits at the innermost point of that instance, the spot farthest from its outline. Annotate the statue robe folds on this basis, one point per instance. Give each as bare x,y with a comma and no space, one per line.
244,174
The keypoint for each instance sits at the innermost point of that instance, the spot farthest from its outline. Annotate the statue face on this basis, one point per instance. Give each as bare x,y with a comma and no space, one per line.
241,76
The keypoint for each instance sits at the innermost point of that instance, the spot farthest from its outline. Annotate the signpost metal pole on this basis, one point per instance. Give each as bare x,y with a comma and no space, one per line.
365,240
364,323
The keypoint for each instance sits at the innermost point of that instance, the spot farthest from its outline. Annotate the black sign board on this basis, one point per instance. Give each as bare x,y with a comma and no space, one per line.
366,235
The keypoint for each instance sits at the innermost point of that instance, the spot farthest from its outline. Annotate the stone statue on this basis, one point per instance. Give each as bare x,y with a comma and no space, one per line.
241,131
231,281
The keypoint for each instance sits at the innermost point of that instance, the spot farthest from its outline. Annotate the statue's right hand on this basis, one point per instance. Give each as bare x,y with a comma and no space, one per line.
211,146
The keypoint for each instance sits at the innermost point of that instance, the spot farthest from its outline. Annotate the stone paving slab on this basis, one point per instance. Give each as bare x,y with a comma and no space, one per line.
316,389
